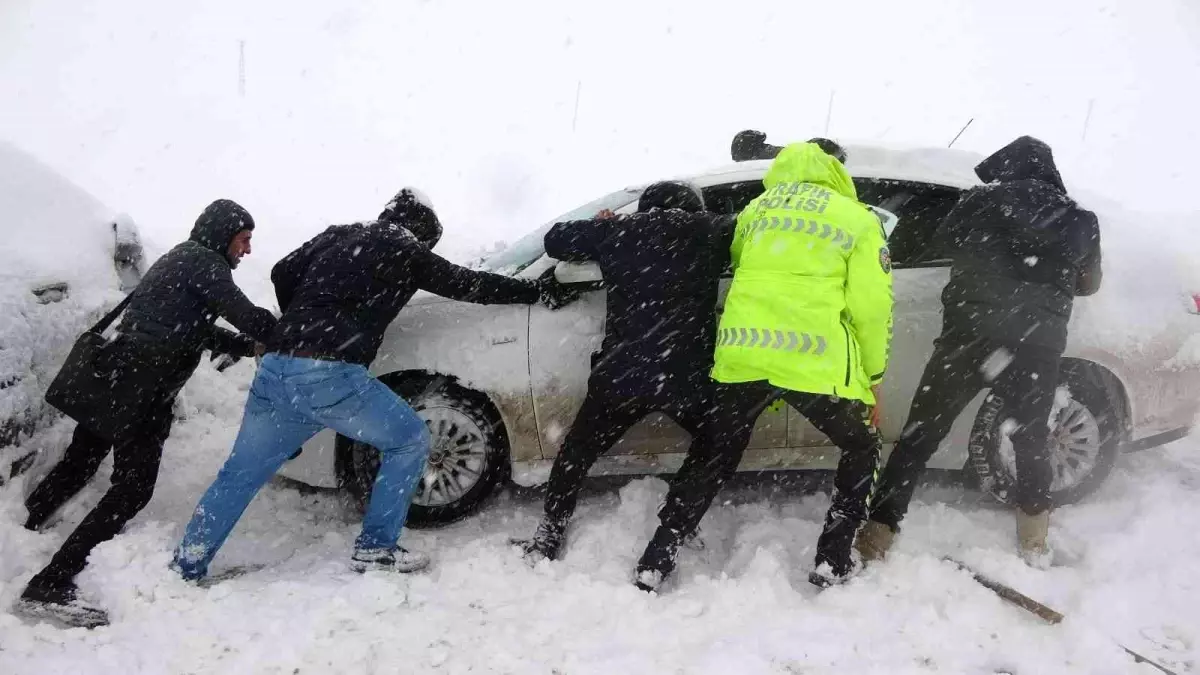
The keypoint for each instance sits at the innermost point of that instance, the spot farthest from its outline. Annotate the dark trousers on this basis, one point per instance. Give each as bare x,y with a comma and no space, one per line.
735,409
135,472
605,416
955,374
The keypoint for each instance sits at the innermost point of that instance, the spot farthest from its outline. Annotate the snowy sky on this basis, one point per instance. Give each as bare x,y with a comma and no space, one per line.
510,113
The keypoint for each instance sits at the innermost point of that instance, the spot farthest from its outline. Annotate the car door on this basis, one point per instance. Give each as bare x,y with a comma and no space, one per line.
919,272
561,344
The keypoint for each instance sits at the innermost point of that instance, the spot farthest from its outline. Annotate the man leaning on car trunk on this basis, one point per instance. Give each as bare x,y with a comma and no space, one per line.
1022,250
158,344
339,292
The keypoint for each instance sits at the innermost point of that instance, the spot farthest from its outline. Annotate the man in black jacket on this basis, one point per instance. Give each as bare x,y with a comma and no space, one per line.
661,269
1022,251
339,292
168,323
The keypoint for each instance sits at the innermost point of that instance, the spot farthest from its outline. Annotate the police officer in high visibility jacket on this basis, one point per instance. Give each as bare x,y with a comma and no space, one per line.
808,319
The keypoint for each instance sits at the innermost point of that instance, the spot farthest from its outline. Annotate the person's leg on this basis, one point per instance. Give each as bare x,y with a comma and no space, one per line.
951,379
375,415
1027,388
135,472
74,470
718,443
272,428
601,421
847,424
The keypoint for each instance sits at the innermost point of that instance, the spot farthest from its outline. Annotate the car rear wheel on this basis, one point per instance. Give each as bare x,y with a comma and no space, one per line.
468,454
1089,426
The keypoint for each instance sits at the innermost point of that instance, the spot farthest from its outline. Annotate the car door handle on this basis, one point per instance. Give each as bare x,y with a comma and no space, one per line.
507,339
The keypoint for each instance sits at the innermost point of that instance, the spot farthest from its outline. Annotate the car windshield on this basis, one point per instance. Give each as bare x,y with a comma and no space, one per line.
523,252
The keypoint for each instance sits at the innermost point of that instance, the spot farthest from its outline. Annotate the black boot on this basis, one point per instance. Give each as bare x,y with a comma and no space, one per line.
38,517
547,542
836,561
658,561
58,601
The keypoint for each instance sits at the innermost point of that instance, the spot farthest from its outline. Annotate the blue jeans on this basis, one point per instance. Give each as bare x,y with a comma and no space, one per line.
291,400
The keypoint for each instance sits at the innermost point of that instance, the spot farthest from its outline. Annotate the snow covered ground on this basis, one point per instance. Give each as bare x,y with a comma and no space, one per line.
741,605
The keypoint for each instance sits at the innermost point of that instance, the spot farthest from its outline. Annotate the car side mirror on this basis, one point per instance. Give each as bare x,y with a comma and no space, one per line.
578,273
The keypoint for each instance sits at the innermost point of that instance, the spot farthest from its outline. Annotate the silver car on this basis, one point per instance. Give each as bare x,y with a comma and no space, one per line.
499,385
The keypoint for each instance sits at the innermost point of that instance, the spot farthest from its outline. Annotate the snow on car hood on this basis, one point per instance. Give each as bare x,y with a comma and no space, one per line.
54,232
53,229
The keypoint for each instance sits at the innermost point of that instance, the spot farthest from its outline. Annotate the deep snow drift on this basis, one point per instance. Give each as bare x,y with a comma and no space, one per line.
740,605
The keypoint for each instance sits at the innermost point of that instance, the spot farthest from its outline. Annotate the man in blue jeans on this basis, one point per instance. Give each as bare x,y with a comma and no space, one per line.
339,292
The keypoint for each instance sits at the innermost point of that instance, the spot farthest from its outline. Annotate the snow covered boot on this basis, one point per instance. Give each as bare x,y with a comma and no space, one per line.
1031,538
396,559
836,558
694,540
828,573
546,544
874,540
59,602
658,560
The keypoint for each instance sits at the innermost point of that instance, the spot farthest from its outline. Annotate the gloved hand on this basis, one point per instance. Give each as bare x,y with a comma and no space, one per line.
553,294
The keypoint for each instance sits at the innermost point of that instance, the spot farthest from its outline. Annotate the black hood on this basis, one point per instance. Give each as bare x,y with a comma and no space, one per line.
1024,158
219,224
413,211
671,194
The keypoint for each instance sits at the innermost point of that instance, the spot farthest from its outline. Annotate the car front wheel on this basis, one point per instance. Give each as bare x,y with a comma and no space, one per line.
468,454
1088,427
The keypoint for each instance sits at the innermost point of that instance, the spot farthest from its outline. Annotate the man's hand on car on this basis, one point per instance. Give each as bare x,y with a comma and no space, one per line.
554,294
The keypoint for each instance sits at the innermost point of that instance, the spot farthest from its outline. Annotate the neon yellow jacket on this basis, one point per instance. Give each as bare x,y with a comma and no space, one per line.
810,308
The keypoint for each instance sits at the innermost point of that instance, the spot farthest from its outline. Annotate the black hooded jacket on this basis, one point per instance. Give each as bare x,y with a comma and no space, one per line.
341,290
1022,250
661,273
170,317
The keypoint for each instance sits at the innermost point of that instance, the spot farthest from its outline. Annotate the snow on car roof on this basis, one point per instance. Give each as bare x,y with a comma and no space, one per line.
940,166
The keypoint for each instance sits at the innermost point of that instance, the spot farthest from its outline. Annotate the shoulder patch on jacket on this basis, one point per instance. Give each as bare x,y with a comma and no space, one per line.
885,259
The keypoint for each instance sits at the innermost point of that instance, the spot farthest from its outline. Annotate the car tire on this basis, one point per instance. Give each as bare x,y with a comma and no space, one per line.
469,455
1091,425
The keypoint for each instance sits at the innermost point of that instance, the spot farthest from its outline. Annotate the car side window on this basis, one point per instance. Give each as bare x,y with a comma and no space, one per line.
731,198
920,208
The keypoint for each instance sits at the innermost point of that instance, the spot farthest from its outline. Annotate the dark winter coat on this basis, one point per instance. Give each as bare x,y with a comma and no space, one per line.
1021,249
170,317
661,273
342,288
